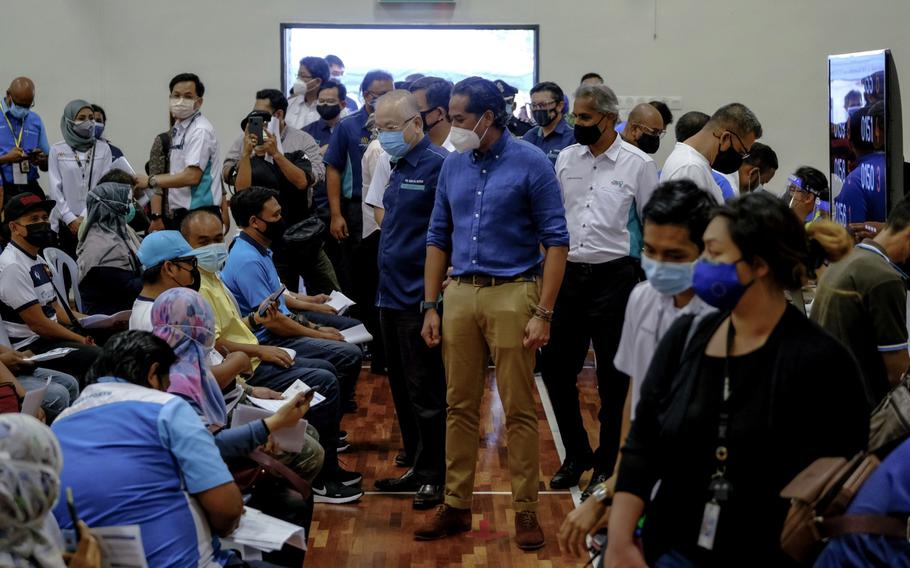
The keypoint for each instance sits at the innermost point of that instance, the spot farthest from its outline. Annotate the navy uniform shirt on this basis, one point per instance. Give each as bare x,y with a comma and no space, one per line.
494,210
563,135
408,203
349,140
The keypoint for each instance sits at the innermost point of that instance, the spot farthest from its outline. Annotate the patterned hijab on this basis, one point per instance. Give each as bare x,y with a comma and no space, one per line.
186,322
105,240
30,464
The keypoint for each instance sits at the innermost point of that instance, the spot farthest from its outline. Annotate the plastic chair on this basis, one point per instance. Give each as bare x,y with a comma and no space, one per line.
60,261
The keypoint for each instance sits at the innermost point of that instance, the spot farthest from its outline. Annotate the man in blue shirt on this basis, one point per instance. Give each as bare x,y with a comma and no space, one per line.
136,455
864,196
23,141
552,133
497,204
416,374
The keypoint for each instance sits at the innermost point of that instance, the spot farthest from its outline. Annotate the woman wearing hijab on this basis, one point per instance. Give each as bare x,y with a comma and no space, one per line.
75,165
110,274
30,464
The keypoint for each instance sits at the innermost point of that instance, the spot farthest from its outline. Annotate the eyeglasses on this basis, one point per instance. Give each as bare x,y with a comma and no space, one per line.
745,153
544,106
394,128
191,260
649,130
374,94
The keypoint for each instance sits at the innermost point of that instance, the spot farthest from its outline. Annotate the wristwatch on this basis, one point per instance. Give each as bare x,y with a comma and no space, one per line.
155,216
153,182
424,306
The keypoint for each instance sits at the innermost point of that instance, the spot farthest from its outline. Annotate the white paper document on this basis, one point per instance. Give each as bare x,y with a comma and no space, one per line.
289,351
50,355
32,401
357,334
121,547
288,439
101,321
274,404
340,302
266,533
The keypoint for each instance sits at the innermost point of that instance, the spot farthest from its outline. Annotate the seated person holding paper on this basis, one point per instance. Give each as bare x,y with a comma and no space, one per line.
251,277
30,478
109,270
25,377
136,455
32,315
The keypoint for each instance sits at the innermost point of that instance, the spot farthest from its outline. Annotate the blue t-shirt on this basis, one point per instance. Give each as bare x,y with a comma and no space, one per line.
562,136
33,136
251,277
725,188
135,456
864,196
349,140
408,203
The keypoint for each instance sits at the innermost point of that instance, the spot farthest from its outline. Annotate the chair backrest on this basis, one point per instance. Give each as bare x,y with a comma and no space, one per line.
60,263
4,337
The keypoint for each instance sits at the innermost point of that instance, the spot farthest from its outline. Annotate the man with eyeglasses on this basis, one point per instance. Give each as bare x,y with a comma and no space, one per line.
23,141
193,179
552,133
644,128
606,183
302,106
722,144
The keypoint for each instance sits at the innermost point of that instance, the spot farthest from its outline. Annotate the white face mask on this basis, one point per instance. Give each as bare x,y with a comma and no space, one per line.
182,108
465,140
299,87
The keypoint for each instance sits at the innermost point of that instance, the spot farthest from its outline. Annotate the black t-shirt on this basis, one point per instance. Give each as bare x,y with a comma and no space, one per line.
294,202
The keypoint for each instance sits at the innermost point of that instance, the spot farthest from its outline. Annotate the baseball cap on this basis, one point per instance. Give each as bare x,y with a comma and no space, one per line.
162,246
23,203
506,89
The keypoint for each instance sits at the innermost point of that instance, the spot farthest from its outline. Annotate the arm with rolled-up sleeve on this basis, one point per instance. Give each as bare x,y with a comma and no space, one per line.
55,187
547,209
645,185
439,234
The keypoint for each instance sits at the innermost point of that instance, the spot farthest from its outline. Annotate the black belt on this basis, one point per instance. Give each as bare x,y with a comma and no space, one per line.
484,280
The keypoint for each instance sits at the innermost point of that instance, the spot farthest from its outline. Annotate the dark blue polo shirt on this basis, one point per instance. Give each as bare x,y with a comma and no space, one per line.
33,136
563,135
348,142
408,203
494,210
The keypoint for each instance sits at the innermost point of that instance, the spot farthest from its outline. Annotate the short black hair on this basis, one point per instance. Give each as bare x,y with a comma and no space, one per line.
549,87
664,111
763,226
814,179
438,91
690,124
152,275
681,203
334,60
762,157
333,84
737,118
207,210
129,356
483,96
276,99
317,67
184,77
591,75
374,75
402,85
117,176
97,108
899,217
249,203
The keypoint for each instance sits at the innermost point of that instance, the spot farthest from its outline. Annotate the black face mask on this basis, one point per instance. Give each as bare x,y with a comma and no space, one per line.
40,235
426,125
649,143
588,135
328,112
543,117
274,230
197,280
727,161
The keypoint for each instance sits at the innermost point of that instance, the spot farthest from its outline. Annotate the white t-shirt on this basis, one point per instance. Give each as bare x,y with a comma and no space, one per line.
72,174
141,318
372,156
25,280
649,315
685,162
193,143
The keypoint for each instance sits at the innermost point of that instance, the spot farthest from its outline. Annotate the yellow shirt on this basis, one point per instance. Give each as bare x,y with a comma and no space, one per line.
229,324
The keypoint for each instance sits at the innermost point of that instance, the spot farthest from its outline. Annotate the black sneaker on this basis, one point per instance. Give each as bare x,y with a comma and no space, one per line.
347,478
343,446
336,493
342,435
596,479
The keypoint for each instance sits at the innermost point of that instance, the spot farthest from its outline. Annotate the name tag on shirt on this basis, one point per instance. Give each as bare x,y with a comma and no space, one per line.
413,185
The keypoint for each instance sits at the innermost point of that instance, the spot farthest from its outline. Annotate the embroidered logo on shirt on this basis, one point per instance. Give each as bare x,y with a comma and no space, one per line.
618,183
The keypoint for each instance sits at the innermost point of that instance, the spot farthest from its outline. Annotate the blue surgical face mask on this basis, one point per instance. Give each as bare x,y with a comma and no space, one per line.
17,111
393,144
212,258
717,283
131,213
99,130
668,278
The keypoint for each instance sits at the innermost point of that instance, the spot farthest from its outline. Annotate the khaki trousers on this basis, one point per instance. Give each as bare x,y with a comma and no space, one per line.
478,322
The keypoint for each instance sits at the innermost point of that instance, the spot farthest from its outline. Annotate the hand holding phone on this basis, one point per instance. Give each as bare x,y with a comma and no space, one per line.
254,127
271,300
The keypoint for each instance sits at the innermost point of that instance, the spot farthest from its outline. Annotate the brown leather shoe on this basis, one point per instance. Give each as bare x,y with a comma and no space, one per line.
446,521
528,534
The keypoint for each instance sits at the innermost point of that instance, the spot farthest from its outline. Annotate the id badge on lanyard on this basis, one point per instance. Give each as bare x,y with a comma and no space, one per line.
20,170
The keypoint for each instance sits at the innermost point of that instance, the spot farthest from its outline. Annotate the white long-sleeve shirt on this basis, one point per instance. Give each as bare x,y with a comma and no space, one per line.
72,175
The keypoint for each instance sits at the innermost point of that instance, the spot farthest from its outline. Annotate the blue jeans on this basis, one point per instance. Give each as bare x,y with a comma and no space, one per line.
331,320
62,391
344,357
674,559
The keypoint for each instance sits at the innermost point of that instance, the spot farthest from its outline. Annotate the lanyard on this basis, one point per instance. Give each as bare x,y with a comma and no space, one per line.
720,487
21,130
185,132
871,248
90,158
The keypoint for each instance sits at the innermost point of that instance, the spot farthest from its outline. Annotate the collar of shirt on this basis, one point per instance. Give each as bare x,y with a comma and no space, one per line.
612,152
562,127
495,150
264,251
111,380
413,155
874,247
20,249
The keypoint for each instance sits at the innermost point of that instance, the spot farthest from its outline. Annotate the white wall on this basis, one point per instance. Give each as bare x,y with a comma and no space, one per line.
768,54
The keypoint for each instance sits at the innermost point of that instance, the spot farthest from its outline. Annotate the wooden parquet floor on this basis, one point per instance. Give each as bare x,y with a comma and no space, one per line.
377,531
